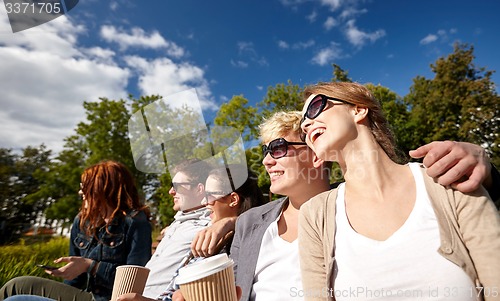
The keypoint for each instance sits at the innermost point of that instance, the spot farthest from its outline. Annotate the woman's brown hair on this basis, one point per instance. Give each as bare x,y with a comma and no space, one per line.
107,183
359,95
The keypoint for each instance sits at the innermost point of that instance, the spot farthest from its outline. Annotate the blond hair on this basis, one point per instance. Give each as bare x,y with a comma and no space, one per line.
279,125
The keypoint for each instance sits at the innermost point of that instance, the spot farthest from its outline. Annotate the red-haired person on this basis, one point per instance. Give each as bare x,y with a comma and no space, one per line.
111,229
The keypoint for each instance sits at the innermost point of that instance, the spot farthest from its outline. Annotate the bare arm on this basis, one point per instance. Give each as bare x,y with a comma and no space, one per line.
208,241
75,266
464,166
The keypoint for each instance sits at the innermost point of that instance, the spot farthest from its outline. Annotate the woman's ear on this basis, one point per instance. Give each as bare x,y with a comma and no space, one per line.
234,199
360,113
317,162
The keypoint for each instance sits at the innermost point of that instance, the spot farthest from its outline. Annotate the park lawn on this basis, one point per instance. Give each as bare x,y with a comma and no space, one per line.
21,259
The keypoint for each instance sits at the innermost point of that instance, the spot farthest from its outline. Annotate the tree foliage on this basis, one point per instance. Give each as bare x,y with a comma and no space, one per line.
460,103
18,182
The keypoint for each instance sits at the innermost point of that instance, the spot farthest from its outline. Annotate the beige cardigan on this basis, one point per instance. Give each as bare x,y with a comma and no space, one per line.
469,226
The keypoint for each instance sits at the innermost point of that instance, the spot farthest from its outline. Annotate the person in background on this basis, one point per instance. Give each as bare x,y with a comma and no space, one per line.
188,192
111,229
229,191
389,231
225,199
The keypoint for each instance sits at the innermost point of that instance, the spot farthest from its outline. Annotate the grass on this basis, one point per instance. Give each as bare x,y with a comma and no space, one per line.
21,259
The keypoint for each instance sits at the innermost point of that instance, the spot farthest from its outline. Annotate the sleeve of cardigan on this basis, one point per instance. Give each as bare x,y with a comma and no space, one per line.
311,254
479,223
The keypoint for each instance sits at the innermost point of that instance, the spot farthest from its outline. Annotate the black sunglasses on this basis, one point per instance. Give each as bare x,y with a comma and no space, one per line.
176,185
315,107
213,196
278,147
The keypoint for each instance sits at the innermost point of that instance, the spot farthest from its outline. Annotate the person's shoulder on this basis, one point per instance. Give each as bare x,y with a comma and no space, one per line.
137,216
319,200
258,211
325,195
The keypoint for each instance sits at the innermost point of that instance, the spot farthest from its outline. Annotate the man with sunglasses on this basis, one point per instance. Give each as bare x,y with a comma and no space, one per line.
188,192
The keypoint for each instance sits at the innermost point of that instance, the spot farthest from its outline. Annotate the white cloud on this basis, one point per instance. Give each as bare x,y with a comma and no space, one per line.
44,80
292,3
428,39
239,64
139,38
327,55
246,47
47,74
283,45
303,45
312,17
359,38
163,77
332,4
297,45
99,54
351,12
248,52
440,36
330,23
113,5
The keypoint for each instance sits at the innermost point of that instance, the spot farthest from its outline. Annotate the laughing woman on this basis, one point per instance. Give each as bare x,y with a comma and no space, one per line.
390,231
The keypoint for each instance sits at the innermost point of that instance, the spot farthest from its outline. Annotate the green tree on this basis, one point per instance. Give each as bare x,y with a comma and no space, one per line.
238,114
103,136
340,75
396,112
8,210
460,103
19,209
61,185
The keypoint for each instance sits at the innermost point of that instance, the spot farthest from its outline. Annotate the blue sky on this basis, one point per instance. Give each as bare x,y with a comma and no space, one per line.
222,48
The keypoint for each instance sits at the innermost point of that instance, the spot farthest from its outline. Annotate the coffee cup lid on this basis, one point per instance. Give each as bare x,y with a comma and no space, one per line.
132,266
203,268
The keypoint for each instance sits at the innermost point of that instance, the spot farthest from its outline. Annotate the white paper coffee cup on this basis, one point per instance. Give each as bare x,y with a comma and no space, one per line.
129,279
211,279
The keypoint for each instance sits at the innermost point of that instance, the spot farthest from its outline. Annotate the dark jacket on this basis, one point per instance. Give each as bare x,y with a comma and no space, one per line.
128,243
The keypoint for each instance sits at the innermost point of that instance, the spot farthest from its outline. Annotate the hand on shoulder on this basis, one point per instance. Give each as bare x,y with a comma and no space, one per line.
464,166
207,241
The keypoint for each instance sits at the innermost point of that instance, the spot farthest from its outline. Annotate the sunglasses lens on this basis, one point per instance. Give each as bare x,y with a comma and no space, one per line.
315,107
278,148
